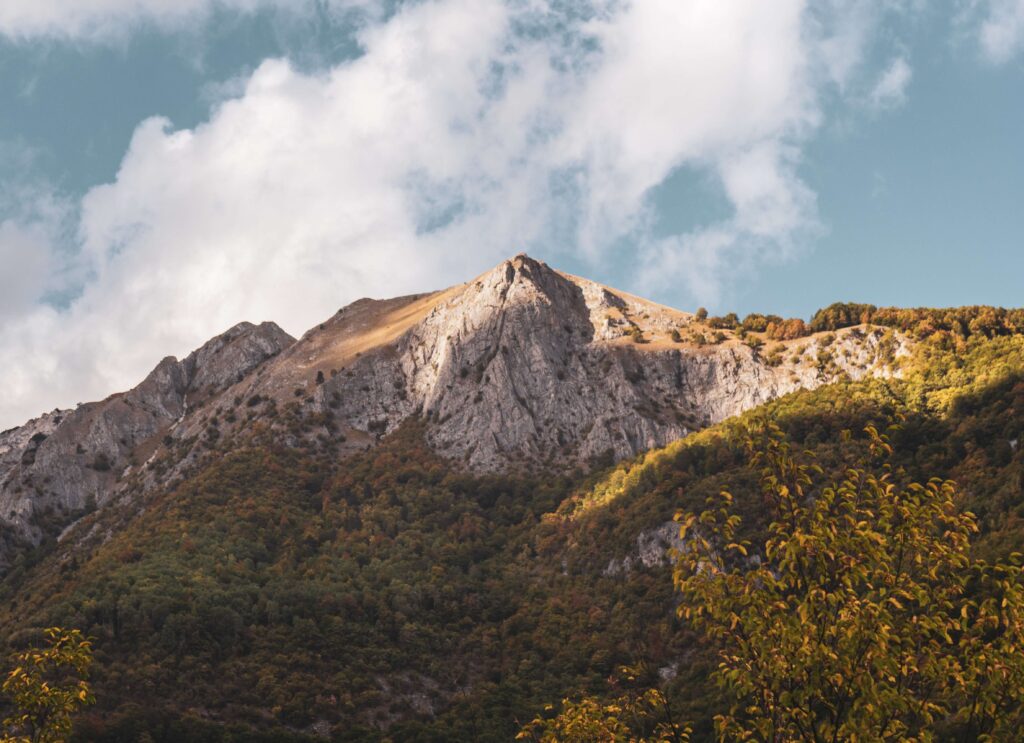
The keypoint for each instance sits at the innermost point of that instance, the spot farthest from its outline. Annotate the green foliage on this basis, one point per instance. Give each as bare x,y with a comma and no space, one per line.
47,687
841,315
387,595
860,614
943,326
636,716
728,322
758,323
289,591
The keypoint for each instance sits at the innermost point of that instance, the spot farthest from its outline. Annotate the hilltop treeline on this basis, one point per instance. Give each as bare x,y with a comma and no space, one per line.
923,323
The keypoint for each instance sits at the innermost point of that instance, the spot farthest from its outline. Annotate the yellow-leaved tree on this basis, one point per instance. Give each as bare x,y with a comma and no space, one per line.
634,716
861,615
47,687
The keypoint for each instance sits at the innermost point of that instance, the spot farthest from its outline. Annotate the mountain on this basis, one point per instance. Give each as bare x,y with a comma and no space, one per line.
523,366
431,515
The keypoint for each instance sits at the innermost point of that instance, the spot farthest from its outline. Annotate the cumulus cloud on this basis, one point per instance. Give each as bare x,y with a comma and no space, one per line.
1000,28
32,221
891,88
467,130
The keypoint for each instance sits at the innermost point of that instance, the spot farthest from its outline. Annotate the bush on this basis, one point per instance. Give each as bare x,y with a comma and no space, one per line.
728,322
758,323
787,330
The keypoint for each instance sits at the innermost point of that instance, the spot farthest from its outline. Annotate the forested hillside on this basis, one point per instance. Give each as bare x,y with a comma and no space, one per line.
391,596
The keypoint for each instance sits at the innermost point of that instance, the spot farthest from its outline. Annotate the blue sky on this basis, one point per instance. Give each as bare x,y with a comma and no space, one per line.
170,168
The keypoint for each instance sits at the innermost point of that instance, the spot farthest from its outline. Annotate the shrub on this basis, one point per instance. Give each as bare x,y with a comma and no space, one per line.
728,322
787,330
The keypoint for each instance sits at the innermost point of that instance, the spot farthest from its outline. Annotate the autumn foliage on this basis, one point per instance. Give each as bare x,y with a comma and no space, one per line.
861,614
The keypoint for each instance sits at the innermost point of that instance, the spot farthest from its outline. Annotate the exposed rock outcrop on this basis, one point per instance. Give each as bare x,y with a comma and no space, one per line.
526,365
522,367
63,463
653,548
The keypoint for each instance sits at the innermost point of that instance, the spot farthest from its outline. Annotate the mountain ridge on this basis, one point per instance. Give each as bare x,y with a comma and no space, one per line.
259,567
521,366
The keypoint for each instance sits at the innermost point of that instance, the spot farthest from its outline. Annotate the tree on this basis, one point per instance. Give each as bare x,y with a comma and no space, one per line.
841,315
48,686
702,314
787,330
634,717
728,322
755,322
860,615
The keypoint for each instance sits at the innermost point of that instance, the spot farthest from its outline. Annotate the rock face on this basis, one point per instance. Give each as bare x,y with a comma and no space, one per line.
66,462
526,365
653,548
522,367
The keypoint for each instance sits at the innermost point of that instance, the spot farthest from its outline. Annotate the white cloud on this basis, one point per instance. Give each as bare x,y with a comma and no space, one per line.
469,129
32,218
1000,28
25,254
891,88
96,20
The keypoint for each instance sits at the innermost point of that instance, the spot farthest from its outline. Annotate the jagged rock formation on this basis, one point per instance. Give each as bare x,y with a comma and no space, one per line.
528,365
523,366
66,462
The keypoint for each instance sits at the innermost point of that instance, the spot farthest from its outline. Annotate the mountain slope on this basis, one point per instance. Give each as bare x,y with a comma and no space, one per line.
65,462
390,596
523,366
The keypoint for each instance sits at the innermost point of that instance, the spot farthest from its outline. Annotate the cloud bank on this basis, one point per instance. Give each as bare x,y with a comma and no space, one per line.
466,131
107,20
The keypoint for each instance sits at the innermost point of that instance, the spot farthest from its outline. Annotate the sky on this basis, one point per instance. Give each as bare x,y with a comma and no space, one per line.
169,168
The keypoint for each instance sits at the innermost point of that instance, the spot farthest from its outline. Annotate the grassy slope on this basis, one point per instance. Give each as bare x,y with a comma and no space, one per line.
273,590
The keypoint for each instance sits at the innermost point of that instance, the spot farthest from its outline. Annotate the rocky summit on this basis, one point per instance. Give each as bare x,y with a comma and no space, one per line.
524,365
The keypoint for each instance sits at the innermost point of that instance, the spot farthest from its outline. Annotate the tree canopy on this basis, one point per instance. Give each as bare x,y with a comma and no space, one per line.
47,687
860,614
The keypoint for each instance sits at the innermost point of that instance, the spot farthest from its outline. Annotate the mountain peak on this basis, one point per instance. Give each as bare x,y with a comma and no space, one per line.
523,365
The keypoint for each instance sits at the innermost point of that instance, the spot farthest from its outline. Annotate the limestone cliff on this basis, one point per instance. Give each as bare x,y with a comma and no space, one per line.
68,461
526,365
522,367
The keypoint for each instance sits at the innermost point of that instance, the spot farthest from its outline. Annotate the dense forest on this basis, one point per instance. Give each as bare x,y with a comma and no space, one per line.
278,594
